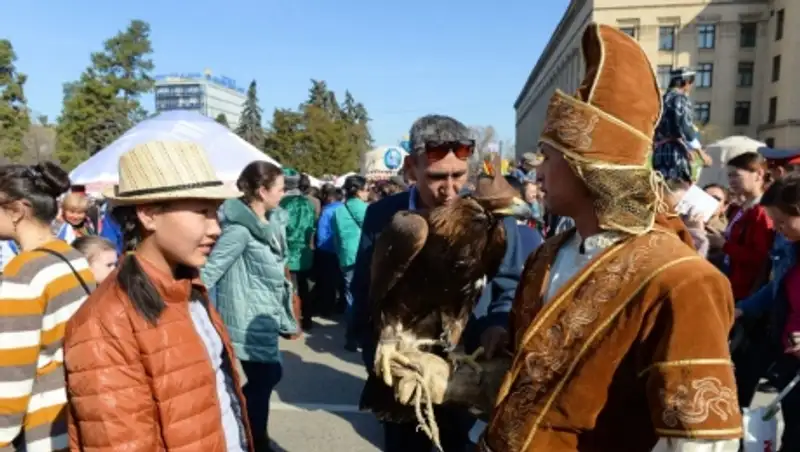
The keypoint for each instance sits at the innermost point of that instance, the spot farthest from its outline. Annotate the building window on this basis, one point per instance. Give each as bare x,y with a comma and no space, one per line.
770,142
773,110
702,112
741,114
664,72
705,36
747,35
776,68
779,25
630,31
666,38
705,75
746,69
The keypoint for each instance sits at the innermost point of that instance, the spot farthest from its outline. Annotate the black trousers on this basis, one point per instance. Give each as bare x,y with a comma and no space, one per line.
328,274
261,380
454,424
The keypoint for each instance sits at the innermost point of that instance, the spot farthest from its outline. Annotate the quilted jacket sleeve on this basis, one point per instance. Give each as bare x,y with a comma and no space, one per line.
112,406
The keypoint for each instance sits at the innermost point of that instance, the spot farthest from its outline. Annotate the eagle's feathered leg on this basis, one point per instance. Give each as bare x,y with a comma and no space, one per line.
393,342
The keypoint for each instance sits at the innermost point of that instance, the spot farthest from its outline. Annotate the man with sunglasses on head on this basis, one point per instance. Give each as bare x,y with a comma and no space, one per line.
438,163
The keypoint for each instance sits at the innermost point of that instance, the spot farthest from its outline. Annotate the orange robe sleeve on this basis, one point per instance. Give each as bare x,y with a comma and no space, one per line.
691,391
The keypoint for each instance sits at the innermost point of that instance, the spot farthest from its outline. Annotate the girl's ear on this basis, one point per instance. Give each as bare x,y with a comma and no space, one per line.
147,216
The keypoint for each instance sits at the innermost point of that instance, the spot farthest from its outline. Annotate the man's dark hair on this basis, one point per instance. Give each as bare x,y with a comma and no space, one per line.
784,195
432,128
328,193
304,183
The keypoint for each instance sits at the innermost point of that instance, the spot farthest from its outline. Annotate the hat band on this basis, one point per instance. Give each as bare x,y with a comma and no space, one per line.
168,188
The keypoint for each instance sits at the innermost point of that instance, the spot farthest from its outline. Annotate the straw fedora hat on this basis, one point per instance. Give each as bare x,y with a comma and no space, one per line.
167,170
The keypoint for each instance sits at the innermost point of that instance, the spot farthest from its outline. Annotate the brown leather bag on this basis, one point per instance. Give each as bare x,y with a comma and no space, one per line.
296,303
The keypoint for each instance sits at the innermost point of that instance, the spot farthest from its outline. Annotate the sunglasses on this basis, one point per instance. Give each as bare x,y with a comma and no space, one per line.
437,150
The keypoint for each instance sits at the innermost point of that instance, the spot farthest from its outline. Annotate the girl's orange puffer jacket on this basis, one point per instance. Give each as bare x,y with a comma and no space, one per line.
137,387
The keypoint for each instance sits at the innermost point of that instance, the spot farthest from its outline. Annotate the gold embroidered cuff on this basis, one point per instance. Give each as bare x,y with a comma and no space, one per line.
694,400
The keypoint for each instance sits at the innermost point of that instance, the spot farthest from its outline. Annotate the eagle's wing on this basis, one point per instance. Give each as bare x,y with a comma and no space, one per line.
396,247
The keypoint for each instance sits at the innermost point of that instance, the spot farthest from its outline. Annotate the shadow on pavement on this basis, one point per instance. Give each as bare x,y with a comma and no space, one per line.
310,383
328,337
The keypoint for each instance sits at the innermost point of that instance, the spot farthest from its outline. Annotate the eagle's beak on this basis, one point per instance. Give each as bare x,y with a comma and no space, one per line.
518,208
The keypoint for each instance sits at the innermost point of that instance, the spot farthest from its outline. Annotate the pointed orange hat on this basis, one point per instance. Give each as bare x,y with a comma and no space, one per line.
612,116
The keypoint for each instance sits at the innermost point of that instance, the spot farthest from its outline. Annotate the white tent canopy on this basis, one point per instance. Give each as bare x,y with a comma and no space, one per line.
339,182
721,152
228,153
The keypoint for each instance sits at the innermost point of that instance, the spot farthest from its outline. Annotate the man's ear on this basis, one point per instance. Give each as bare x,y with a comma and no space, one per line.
410,167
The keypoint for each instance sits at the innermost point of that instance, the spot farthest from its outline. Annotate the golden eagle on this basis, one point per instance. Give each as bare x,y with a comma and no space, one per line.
428,271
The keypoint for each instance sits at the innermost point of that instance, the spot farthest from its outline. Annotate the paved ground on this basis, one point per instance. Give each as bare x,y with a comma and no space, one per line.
315,407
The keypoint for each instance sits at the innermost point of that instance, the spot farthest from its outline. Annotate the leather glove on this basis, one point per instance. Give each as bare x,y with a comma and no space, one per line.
463,385
433,370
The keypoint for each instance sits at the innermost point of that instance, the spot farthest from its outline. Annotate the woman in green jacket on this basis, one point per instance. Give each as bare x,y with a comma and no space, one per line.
246,269
348,219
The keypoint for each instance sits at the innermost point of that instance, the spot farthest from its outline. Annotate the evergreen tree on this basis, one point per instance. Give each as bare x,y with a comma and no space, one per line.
104,102
222,119
14,118
250,128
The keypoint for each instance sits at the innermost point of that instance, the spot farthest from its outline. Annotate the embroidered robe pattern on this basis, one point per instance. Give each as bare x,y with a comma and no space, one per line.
615,360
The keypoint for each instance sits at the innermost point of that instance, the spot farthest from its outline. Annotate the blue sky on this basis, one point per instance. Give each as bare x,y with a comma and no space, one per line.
403,59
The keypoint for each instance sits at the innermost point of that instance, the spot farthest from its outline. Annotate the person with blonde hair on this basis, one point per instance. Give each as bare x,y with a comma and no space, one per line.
74,221
101,254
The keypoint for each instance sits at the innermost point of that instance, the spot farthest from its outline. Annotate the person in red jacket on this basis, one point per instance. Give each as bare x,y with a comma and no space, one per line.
748,239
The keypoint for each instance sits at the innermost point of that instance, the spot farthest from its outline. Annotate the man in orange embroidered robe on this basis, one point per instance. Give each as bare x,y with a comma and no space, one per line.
619,329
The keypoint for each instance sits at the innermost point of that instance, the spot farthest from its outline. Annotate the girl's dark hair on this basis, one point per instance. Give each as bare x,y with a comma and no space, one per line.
131,277
751,161
39,184
680,81
748,161
256,175
784,195
354,184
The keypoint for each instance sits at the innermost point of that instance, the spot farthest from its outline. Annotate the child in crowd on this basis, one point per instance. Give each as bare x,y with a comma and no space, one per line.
75,221
101,253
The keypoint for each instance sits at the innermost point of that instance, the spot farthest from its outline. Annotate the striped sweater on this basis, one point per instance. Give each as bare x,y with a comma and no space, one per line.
38,294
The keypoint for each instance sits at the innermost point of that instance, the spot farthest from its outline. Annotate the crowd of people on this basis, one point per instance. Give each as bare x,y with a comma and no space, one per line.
152,320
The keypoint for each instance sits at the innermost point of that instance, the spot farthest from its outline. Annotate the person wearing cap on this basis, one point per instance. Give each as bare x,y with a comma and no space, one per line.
780,162
149,362
527,167
438,163
678,154
619,329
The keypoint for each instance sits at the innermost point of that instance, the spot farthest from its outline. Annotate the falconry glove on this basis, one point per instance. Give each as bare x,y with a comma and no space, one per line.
446,383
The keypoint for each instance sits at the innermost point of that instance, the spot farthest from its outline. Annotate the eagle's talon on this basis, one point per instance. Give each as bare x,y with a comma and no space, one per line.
470,360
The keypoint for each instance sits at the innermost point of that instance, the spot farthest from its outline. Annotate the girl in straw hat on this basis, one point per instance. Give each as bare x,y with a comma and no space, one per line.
149,362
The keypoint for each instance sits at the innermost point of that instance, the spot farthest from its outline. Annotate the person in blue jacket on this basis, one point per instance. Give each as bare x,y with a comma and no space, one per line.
438,161
110,230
